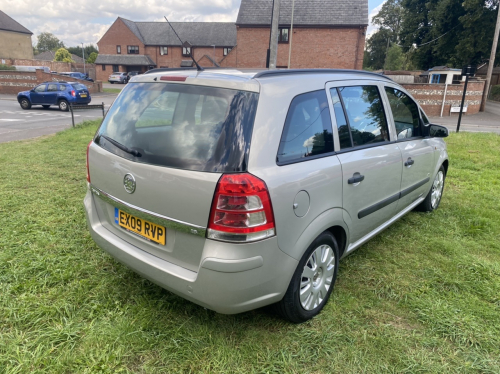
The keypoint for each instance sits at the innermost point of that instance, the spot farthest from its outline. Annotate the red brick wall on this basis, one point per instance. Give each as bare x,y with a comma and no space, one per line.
430,96
230,59
311,48
12,82
118,34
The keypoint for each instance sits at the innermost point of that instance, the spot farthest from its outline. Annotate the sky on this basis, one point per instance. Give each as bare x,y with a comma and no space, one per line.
86,21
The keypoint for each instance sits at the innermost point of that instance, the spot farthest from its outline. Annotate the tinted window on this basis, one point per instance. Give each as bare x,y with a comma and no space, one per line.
62,87
308,129
52,87
365,114
343,128
182,126
405,114
40,88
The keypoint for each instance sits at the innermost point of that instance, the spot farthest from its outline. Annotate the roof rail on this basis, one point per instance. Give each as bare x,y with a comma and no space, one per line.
270,73
159,70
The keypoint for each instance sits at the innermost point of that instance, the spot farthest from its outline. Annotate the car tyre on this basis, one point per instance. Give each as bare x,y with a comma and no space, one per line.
25,103
63,105
312,282
112,82
46,106
433,198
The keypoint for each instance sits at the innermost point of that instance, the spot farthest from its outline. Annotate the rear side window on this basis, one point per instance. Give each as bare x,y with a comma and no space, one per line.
181,126
308,129
405,113
62,87
365,115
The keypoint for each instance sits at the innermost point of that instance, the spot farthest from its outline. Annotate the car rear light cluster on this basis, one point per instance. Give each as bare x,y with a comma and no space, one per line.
241,210
88,172
73,93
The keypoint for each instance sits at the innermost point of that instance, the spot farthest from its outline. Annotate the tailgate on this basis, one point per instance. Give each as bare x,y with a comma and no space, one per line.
177,201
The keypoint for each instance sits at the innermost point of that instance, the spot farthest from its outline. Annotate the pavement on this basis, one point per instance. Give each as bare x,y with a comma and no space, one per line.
19,124
487,121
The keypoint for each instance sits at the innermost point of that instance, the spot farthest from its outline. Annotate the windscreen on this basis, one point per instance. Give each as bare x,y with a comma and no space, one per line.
181,126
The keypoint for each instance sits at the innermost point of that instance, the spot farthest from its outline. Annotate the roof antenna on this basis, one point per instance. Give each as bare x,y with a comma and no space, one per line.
186,45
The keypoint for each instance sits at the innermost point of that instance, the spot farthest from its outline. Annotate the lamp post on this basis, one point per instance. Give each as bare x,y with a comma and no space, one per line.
83,54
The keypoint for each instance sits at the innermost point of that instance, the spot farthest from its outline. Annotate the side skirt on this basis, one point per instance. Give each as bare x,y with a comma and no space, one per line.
382,227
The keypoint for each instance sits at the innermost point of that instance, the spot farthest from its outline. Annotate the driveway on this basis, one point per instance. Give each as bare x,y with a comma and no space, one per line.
19,124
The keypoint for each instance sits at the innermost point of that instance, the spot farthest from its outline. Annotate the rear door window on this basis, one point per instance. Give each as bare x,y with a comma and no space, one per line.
308,129
365,114
182,126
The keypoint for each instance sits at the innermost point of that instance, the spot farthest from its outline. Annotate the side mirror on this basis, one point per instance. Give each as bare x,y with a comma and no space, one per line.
436,131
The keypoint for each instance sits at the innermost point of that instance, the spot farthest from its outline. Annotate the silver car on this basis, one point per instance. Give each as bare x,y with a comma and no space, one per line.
117,77
239,189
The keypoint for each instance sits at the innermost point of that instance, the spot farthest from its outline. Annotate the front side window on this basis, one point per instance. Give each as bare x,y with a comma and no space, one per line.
163,51
365,115
405,113
186,51
182,126
308,129
133,49
118,49
283,35
40,88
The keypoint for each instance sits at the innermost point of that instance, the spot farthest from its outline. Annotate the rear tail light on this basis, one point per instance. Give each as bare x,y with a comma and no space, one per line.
241,210
88,172
73,93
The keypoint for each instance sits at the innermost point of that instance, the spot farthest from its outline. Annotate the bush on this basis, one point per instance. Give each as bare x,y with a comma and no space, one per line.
7,67
495,93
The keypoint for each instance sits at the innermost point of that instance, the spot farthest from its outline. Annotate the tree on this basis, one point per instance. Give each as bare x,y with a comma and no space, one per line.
92,58
48,42
376,48
63,55
395,58
78,50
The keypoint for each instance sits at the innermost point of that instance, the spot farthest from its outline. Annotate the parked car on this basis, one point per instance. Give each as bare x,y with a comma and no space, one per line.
55,93
132,74
77,75
118,77
237,190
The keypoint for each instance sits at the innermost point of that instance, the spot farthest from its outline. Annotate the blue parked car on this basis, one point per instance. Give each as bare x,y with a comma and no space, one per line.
55,93
77,75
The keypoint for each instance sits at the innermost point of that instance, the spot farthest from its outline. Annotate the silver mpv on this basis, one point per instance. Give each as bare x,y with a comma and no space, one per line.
239,189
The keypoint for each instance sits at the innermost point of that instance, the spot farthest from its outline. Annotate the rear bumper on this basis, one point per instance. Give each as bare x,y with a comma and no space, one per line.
231,278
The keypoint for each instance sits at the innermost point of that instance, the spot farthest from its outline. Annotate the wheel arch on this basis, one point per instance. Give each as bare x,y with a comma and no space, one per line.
340,236
445,165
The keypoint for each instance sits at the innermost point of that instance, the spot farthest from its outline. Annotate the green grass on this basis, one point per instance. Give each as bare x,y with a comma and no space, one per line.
424,296
112,90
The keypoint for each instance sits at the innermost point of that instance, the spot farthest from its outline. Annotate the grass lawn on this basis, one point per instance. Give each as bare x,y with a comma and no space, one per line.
424,296
112,90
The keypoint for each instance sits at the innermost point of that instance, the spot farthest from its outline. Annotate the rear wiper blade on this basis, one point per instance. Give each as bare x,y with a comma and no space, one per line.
133,152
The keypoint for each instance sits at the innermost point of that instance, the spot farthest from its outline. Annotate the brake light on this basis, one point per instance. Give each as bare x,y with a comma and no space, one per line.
73,93
174,78
241,210
88,172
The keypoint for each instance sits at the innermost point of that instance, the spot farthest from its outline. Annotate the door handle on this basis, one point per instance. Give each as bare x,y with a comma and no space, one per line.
409,162
356,178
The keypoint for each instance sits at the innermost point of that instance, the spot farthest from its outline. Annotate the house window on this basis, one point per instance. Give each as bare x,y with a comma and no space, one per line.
163,51
116,68
133,49
283,35
186,51
103,67
227,50
119,49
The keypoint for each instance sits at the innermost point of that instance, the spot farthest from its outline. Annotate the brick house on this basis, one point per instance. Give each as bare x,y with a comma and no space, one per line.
130,46
326,34
15,39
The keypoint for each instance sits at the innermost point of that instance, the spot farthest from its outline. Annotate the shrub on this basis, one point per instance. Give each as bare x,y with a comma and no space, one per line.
495,93
7,67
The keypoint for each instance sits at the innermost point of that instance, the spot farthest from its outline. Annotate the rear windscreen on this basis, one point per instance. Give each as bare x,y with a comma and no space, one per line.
79,86
181,126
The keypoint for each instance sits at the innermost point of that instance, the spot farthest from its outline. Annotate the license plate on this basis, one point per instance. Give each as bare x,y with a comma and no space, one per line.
143,228
83,95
